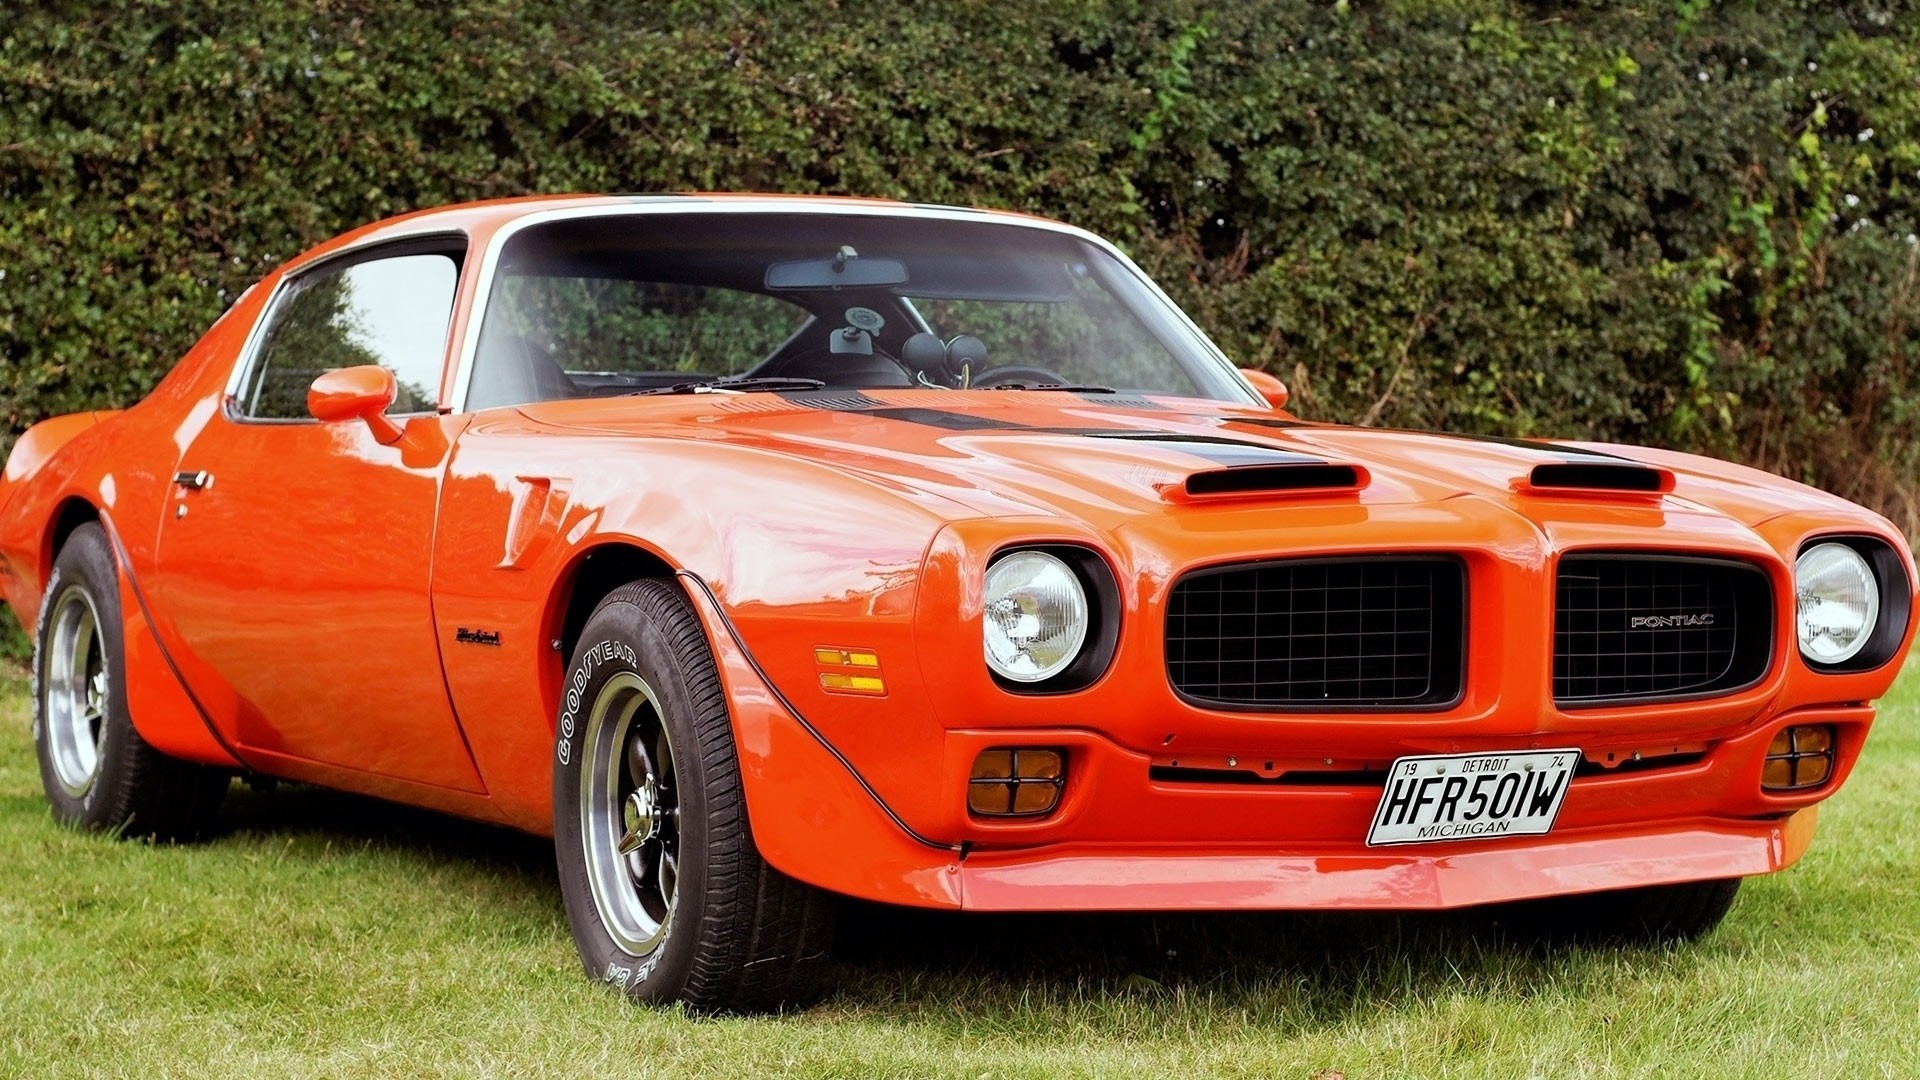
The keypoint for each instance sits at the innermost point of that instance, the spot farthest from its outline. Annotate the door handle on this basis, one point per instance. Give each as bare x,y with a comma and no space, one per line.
194,481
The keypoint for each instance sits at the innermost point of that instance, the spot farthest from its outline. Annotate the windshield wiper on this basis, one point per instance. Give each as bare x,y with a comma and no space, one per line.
765,384
1069,388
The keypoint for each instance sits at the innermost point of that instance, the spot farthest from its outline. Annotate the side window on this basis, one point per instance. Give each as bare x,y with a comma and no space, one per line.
388,311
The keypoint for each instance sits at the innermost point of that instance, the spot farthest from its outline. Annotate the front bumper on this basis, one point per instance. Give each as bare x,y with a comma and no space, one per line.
1123,841
1146,879
1117,796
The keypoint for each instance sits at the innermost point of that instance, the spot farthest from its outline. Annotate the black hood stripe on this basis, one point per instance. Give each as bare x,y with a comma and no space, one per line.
950,421
1216,450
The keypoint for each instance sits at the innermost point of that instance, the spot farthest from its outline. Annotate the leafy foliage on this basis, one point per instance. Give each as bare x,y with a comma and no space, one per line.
1688,223
14,645
612,325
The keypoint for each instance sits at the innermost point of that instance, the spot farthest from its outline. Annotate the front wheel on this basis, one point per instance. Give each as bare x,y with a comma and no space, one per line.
666,894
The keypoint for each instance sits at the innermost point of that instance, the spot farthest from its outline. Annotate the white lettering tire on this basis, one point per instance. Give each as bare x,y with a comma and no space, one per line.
667,897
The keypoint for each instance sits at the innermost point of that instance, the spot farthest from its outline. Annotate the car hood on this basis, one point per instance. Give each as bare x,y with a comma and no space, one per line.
1096,456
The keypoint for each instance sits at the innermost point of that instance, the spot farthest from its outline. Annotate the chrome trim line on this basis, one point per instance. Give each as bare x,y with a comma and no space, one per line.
247,349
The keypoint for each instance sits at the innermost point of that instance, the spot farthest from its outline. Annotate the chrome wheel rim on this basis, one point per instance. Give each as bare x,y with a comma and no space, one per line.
75,691
630,814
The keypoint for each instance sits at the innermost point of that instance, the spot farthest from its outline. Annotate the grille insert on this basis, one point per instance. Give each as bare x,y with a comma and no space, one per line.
1640,628
1314,634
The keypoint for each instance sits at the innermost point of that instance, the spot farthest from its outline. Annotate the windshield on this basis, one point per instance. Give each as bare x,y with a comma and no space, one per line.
617,304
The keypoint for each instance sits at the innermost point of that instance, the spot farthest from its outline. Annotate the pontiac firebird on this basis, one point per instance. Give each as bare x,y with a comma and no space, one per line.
760,550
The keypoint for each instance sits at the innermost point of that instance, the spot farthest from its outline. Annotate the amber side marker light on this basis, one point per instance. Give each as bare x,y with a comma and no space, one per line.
1016,782
1799,758
849,671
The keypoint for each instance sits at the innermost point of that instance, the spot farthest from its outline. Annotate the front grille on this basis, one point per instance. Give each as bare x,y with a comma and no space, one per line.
1376,632
1629,628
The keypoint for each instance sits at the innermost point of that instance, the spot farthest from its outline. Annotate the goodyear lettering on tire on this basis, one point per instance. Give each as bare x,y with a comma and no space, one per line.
576,689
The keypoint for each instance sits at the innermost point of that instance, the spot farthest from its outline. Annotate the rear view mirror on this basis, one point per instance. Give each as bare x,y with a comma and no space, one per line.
847,270
362,393
1267,386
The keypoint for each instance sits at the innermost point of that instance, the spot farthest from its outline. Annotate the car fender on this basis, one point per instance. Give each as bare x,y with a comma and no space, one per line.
29,499
524,516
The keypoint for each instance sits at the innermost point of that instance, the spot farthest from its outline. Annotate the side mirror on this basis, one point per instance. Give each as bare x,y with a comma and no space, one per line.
357,393
1267,385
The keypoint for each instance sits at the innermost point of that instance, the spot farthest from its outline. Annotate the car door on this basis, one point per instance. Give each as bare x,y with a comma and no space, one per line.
295,556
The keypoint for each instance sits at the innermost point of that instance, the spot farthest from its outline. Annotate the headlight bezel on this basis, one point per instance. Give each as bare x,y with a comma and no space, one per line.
1100,588
1895,585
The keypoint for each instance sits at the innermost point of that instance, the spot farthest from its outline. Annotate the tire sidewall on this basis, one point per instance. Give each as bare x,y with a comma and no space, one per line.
85,561
622,638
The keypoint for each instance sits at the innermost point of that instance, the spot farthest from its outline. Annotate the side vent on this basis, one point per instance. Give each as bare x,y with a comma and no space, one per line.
1253,480
1600,476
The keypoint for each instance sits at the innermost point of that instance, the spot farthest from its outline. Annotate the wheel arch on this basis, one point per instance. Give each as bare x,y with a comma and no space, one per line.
588,576
71,513
783,760
35,552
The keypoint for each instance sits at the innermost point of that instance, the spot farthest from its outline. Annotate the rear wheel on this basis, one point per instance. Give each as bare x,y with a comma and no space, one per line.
666,894
1653,913
97,771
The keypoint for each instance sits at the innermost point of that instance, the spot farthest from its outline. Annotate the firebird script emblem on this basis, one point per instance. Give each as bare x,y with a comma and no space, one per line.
476,637
1668,622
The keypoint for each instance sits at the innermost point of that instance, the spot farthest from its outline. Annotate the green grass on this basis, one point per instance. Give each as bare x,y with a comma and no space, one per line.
323,935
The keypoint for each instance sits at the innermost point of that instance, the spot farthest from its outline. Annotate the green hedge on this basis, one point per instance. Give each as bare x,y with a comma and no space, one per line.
1685,223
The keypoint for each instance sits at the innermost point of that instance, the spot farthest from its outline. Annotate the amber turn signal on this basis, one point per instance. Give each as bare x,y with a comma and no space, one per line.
1799,758
1016,782
849,671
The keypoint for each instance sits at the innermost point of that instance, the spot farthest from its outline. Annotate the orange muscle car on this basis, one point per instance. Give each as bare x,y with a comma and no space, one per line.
765,549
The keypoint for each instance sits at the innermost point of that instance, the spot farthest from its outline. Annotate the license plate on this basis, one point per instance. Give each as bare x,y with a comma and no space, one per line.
1472,796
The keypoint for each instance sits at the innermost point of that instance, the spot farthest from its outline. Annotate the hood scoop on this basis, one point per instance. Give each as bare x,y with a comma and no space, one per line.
1244,470
1298,478
1579,476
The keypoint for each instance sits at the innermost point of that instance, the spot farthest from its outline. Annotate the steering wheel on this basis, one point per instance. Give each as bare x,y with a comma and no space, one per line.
1017,373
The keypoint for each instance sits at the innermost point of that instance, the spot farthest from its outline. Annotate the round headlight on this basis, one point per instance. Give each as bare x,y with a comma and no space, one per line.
1036,616
1837,602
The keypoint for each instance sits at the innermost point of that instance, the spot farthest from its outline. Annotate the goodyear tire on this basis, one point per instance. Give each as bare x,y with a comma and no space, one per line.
666,894
97,771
